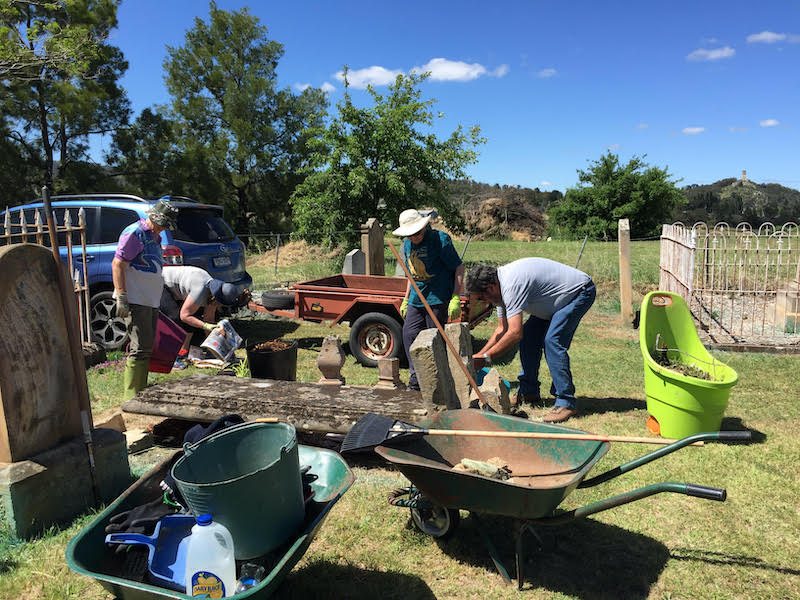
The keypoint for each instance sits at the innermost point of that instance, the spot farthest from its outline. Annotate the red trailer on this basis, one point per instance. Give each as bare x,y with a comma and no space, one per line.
370,303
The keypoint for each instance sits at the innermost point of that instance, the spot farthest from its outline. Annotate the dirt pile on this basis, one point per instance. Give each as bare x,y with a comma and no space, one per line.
295,252
502,218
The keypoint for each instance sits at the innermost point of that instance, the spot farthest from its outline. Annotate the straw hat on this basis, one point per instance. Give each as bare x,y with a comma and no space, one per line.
411,222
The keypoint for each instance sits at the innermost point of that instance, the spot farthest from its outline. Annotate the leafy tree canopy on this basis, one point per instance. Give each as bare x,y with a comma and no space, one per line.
59,82
609,191
232,117
380,160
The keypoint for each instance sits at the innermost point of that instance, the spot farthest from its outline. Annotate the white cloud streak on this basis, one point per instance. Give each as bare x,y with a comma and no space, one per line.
704,54
735,129
374,75
302,87
769,123
766,37
547,73
442,69
692,130
327,87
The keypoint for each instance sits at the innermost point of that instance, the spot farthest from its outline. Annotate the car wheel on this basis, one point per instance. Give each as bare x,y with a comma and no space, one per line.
108,329
373,336
277,299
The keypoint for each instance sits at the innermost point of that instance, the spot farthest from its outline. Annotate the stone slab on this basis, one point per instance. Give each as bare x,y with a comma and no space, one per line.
429,354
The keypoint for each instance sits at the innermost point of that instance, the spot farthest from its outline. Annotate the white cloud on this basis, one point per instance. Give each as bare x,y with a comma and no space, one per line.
500,71
302,87
692,130
765,37
735,129
327,87
442,69
545,184
641,126
769,123
545,73
703,54
614,147
374,75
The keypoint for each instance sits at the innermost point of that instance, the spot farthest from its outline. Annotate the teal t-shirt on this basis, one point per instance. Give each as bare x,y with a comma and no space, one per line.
432,263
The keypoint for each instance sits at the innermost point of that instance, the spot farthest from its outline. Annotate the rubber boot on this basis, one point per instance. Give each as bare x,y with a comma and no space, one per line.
135,377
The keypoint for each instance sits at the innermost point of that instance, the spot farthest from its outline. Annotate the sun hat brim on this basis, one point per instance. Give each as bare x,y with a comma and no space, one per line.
415,226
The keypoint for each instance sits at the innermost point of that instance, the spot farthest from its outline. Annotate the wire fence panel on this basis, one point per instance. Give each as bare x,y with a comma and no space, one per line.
741,285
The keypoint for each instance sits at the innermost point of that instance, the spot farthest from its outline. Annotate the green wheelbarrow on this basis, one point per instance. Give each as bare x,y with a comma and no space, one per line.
87,553
543,473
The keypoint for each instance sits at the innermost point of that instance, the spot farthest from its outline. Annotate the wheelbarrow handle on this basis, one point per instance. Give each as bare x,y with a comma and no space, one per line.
709,493
735,436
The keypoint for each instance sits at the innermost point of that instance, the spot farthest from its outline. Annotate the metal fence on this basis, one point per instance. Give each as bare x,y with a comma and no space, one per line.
16,229
742,285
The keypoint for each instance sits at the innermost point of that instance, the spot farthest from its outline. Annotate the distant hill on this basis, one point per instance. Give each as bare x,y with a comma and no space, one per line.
736,201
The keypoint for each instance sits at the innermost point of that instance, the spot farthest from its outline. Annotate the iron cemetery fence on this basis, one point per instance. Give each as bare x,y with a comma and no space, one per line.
742,285
20,226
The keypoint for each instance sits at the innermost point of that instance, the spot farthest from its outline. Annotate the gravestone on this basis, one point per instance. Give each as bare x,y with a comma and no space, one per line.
429,354
45,475
372,244
355,263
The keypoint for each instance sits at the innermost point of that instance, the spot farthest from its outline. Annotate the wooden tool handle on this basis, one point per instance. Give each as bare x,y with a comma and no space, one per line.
586,437
447,341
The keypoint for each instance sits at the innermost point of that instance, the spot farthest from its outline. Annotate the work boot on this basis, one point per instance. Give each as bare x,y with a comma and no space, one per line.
135,377
559,414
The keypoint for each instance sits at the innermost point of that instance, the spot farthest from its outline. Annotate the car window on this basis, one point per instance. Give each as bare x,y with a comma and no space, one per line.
202,226
112,222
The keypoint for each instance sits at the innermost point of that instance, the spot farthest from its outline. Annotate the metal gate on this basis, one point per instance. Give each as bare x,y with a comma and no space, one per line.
742,285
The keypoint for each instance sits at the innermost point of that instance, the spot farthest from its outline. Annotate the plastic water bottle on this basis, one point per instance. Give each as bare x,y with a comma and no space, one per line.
210,562
251,575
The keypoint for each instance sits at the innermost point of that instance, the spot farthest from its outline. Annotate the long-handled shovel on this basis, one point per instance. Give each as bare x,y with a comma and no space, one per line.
375,430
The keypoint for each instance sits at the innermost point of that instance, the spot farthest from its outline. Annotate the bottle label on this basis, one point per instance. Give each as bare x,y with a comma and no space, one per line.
206,584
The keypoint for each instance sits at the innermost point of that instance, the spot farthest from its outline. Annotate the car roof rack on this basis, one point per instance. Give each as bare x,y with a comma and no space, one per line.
110,197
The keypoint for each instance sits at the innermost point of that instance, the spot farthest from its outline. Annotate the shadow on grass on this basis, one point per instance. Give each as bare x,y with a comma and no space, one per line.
598,406
321,579
734,560
582,559
736,424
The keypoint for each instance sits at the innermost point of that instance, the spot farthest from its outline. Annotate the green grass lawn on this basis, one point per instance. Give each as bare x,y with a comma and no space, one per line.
664,547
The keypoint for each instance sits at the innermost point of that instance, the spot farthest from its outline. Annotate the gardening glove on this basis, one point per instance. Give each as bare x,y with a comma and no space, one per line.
454,308
209,327
404,308
123,308
141,519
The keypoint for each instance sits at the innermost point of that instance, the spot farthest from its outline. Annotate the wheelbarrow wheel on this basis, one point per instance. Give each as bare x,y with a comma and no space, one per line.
436,521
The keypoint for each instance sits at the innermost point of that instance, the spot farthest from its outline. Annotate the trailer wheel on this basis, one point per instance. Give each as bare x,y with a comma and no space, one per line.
277,299
373,336
436,521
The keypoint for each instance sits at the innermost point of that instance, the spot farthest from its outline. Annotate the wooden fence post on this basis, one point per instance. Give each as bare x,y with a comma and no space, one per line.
625,279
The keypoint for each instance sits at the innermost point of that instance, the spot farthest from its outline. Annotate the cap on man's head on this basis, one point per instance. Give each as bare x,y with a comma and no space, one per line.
411,222
224,293
163,213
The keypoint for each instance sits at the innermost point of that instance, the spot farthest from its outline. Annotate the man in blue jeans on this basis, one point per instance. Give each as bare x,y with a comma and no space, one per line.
556,297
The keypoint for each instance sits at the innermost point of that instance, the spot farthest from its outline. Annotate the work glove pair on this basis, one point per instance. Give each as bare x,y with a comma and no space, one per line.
453,308
123,308
209,327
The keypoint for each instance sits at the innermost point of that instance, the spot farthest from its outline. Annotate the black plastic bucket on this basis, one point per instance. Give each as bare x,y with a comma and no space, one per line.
269,364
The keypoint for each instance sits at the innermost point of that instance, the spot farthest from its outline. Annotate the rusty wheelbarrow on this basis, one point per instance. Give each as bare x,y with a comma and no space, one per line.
542,473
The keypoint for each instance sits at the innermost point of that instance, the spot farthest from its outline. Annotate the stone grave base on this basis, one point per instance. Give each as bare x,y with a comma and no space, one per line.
55,485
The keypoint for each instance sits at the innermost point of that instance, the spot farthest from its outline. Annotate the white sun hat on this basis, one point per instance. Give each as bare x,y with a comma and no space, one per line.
411,222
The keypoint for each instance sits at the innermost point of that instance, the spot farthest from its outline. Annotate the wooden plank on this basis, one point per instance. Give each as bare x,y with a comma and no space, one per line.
625,278
309,407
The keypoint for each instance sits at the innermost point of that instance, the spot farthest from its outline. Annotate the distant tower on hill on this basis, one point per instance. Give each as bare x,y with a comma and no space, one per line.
744,175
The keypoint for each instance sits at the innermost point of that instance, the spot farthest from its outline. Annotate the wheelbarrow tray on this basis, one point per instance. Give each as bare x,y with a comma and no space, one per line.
87,554
544,471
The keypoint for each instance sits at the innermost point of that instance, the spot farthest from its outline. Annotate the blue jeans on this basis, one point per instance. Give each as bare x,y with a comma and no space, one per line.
417,319
554,338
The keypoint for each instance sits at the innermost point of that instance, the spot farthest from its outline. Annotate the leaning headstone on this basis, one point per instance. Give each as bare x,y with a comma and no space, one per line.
355,263
460,338
429,354
45,474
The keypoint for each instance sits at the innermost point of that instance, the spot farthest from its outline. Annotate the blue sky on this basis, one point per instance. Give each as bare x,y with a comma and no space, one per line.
704,88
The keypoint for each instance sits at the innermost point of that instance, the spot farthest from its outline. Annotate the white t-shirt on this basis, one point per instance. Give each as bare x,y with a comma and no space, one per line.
538,286
187,282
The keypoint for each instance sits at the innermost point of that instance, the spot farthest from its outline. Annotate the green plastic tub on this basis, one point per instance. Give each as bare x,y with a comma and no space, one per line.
682,404
248,478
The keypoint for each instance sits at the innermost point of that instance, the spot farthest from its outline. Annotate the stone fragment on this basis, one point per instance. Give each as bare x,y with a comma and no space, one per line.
389,374
330,360
429,354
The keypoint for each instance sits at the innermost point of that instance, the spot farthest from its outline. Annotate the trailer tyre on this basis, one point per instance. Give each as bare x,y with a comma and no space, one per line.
373,336
277,299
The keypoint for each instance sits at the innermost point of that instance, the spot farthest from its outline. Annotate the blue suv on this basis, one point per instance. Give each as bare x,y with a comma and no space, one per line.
202,239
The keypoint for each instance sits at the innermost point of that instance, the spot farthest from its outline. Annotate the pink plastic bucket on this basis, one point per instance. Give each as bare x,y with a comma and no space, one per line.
169,339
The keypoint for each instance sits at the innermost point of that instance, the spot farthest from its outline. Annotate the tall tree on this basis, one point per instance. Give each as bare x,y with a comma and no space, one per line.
608,191
59,79
377,161
223,82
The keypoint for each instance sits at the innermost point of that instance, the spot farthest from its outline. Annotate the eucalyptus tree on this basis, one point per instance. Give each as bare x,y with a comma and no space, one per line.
59,79
231,111
378,160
